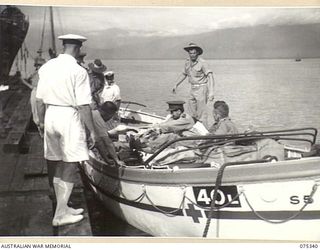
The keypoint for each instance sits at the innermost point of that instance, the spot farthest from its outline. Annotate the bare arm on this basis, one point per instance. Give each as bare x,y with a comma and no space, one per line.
178,82
26,83
106,143
41,108
211,86
86,117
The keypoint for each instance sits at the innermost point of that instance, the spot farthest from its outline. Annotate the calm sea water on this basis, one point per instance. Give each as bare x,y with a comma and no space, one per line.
265,94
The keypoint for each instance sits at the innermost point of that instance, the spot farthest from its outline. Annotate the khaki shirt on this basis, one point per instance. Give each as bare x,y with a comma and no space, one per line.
197,71
223,127
185,122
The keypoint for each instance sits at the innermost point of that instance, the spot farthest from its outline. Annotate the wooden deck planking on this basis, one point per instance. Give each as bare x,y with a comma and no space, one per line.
25,206
19,121
25,214
7,168
17,179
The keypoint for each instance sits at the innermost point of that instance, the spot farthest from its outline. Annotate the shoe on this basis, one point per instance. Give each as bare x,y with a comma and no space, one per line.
74,211
66,220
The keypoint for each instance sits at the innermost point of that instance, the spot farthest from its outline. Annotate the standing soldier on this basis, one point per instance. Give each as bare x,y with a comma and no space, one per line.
65,89
201,80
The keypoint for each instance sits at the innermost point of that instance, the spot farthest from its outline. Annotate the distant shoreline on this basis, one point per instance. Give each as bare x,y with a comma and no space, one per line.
182,59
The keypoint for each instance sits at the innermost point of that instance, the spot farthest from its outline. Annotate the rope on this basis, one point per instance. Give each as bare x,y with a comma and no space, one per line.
314,189
42,33
138,199
215,195
168,213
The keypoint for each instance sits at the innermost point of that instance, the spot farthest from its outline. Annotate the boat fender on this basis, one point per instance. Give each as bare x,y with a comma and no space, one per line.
214,164
175,168
270,158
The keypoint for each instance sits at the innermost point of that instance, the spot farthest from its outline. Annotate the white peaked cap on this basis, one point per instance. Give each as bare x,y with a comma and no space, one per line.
72,37
108,73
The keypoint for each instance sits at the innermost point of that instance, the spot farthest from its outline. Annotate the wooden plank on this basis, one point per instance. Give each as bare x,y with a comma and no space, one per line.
9,104
34,166
19,100
14,143
33,220
19,122
36,144
7,168
5,97
17,178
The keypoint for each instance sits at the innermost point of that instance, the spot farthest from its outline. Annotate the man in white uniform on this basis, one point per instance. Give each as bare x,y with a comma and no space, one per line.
111,91
64,88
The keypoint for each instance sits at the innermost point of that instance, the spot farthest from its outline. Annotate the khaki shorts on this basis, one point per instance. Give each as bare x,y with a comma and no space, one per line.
64,136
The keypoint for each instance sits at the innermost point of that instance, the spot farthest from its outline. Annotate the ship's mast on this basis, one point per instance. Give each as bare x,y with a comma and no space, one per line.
53,53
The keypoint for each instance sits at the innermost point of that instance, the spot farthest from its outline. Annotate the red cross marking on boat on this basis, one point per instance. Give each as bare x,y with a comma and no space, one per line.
194,213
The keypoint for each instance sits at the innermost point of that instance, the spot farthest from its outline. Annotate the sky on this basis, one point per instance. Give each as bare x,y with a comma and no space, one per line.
165,21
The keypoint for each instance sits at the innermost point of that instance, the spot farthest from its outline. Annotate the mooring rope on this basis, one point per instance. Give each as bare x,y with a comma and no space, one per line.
168,213
314,189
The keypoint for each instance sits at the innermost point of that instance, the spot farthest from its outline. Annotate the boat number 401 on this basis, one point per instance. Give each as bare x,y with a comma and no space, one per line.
295,199
227,196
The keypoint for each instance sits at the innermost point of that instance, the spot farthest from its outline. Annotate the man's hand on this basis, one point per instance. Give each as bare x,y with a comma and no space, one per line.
41,129
120,163
95,139
174,90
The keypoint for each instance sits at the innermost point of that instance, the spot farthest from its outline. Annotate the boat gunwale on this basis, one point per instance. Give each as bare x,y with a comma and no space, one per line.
236,174
141,112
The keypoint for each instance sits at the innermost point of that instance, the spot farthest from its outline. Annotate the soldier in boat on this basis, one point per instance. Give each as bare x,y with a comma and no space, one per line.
177,124
223,124
105,146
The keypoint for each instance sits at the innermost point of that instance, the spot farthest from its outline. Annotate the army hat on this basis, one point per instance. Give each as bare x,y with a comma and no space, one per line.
97,66
175,105
193,46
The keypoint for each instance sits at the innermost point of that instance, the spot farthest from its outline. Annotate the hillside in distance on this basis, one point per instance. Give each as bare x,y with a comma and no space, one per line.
286,41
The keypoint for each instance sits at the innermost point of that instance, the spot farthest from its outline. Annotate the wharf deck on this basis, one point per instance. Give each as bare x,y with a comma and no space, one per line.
25,206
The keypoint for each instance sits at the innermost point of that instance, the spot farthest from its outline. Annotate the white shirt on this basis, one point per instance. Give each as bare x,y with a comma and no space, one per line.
63,82
110,93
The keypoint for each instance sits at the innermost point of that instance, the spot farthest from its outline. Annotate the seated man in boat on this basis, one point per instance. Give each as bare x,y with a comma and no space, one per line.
176,125
100,116
96,77
223,124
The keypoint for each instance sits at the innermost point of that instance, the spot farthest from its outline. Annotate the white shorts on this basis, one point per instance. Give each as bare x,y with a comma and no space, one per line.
64,135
